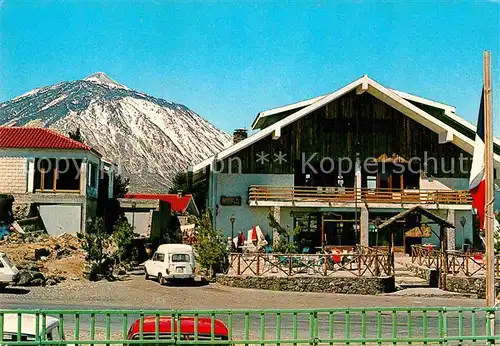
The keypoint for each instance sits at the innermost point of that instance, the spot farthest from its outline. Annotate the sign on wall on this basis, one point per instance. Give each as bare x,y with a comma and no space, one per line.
230,200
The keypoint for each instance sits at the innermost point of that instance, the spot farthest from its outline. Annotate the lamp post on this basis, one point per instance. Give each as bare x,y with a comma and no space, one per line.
377,222
463,220
133,214
232,219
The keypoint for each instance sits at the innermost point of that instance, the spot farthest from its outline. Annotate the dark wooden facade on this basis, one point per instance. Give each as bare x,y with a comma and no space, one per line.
349,127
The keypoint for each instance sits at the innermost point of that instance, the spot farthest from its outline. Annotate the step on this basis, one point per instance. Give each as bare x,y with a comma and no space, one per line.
403,273
407,282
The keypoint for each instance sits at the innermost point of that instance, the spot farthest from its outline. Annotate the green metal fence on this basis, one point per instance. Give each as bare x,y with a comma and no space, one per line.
350,326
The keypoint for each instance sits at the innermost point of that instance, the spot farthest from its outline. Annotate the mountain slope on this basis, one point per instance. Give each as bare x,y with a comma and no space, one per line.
150,139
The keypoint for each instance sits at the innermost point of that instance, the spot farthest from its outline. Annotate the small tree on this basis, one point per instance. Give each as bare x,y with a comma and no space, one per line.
123,236
283,243
120,186
210,244
76,135
96,242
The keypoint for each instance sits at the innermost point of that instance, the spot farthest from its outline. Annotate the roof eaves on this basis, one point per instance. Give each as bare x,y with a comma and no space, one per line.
279,124
415,98
285,108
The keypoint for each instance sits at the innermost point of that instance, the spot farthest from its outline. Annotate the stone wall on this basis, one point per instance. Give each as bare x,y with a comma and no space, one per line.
21,210
429,275
13,175
350,285
470,285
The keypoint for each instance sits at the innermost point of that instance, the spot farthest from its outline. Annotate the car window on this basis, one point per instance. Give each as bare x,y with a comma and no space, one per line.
160,257
53,334
180,257
13,337
8,262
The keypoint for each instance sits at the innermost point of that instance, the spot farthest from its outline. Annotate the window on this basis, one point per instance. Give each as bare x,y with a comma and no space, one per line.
159,257
7,261
92,177
371,182
53,334
180,257
57,174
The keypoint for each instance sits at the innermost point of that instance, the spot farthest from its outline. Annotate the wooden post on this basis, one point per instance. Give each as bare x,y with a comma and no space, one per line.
42,179
489,193
54,179
325,268
323,232
467,259
238,271
258,264
444,255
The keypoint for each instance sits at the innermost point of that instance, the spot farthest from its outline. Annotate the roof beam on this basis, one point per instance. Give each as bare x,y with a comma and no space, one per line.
445,137
277,133
362,88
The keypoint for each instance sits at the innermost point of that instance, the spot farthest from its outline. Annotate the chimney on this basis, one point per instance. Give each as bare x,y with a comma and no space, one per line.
179,193
239,135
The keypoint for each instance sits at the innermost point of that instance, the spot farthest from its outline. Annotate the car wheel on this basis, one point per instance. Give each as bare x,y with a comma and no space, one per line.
161,280
146,275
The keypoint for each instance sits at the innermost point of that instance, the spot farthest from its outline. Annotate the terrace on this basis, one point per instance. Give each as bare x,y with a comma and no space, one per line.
324,196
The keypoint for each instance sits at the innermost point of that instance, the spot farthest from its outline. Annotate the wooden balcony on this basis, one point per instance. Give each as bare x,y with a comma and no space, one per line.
346,196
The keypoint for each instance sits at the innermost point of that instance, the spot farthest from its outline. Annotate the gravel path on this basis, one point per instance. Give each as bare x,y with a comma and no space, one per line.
136,293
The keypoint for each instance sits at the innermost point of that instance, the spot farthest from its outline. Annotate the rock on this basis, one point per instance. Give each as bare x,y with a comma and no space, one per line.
32,267
119,271
43,252
54,280
63,252
91,272
50,282
30,278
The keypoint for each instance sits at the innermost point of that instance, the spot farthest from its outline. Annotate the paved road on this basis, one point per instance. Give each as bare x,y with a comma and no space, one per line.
139,294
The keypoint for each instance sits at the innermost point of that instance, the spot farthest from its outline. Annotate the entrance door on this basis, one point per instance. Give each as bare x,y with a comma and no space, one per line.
409,241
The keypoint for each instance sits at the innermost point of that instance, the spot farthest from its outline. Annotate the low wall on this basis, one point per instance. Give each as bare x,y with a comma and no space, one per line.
351,285
469,285
431,276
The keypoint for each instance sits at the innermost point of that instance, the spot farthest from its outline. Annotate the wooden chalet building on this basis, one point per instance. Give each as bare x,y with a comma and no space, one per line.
339,164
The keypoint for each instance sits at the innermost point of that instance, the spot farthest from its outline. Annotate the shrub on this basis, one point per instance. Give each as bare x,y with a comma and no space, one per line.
95,242
210,244
283,243
123,236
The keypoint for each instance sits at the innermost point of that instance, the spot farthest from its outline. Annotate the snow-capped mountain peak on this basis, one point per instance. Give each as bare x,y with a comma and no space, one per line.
150,139
103,78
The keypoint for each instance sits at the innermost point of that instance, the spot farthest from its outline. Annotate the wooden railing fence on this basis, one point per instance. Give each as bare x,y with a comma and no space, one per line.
468,264
374,263
348,194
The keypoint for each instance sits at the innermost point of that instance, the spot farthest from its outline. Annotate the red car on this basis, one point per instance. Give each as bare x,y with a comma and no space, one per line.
187,326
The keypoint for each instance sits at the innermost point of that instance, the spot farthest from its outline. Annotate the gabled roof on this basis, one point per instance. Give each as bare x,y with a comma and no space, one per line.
178,203
37,138
419,210
363,84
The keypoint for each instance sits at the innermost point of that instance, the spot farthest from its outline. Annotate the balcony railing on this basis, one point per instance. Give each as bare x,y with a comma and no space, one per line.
326,194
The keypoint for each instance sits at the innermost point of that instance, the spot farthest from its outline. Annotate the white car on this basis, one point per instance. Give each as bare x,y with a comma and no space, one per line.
28,328
171,261
8,271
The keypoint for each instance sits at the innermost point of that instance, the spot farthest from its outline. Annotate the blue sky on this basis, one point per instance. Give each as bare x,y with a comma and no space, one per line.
228,61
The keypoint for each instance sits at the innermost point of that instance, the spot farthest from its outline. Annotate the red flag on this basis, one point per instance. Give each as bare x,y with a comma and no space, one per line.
476,181
254,234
